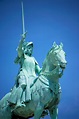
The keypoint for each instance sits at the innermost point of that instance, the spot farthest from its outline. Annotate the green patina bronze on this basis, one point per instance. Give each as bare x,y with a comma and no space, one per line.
36,91
34,95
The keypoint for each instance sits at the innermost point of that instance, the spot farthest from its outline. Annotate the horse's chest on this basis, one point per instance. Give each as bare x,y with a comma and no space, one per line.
55,87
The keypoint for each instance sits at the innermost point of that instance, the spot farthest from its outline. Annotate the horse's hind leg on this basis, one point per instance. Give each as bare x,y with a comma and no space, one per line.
53,112
38,111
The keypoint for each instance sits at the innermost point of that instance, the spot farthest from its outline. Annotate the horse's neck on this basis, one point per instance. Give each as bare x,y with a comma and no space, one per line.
50,72
47,67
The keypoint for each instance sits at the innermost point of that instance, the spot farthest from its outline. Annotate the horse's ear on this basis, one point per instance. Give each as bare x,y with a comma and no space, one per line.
61,44
54,44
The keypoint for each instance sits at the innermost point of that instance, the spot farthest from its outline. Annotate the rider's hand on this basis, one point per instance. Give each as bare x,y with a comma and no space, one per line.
24,35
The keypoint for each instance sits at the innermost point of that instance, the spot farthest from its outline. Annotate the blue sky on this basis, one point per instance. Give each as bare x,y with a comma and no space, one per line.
46,21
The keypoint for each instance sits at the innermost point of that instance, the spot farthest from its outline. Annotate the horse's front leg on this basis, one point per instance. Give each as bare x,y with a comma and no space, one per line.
53,112
38,111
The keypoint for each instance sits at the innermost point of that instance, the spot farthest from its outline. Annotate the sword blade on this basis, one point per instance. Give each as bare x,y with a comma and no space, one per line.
23,25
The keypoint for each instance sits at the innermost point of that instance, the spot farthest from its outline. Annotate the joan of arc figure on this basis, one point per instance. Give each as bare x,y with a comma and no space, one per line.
28,71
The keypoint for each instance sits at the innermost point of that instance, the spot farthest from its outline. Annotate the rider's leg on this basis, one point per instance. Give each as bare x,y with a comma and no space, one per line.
27,90
22,86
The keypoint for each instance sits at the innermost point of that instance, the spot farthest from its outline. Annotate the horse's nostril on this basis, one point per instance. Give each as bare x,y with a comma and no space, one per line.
66,62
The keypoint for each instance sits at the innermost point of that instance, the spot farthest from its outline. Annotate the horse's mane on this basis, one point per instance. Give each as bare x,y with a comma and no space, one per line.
54,49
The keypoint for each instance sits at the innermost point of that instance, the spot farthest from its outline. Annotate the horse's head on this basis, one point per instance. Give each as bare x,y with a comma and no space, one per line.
57,56
55,62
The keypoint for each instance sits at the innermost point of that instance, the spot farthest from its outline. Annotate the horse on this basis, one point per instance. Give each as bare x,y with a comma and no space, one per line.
45,90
